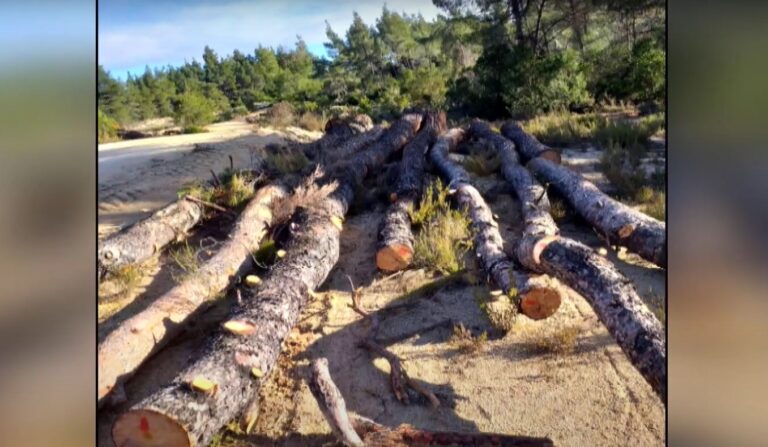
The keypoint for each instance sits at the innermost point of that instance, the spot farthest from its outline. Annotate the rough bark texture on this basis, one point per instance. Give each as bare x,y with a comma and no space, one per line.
395,249
124,349
528,146
337,130
536,298
332,404
238,362
146,237
621,224
349,428
611,295
616,303
350,146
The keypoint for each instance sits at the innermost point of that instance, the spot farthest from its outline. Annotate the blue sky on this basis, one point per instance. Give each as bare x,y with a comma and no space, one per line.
136,33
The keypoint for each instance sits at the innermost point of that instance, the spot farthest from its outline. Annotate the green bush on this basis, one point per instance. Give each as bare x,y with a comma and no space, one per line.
637,75
193,110
108,128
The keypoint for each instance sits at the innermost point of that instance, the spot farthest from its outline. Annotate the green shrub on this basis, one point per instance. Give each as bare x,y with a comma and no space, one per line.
186,259
433,202
193,110
637,75
108,128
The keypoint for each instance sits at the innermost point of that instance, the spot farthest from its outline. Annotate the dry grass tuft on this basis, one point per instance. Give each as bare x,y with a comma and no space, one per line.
444,237
562,341
186,259
312,121
286,160
463,340
279,115
653,201
501,310
482,164
121,283
236,189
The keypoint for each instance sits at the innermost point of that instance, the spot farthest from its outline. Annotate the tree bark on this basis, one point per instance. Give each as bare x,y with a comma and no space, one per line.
349,428
621,224
146,237
536,217
349,147
395,248
125,348
536,298
337,130
527,145
615,301
234,362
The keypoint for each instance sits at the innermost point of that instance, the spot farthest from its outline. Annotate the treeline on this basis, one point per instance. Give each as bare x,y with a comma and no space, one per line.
487,58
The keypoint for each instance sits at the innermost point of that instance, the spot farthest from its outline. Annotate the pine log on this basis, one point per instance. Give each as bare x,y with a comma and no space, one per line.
146,237
528,146
349,429
350,146
536,217
234,362
395,248
125,348
537,298
615,301
621,224
337,130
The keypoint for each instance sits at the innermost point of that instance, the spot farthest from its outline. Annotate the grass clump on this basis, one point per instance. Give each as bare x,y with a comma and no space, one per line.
194,129
561,341
653,202
236,188
186,259
561,128
621,166
482,164
286,160
122,283
444,236
280,115
627,134
312,121
463,340
559,210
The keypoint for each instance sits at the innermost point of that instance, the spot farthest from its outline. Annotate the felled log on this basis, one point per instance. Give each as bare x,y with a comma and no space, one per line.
355,431
395,247
535,297
619,223
125,348
528,146
337,130
615,301
146,237
222,379
350,146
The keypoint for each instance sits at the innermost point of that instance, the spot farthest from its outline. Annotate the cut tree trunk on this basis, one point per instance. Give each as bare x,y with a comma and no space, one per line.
536,217
395,248
541,298
619,223
125,348
349,429
615,301
222,379
140,241
337,130
348,148
528,146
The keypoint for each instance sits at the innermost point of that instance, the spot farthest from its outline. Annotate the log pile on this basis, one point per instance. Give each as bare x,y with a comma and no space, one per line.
535,297
220,382
395,249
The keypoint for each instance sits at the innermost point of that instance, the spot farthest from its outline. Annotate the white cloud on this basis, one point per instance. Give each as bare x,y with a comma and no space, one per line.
240,25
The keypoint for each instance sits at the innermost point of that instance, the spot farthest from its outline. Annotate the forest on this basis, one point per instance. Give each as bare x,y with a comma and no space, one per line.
487,58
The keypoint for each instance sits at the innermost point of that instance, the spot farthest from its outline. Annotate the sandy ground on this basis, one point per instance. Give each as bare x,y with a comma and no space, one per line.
139,176
518,383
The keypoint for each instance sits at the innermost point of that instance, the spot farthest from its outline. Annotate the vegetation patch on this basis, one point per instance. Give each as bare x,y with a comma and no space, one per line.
285,160
466,343
482,164
235,189
443,238
562,340
187,260
280,115
653,202
312,121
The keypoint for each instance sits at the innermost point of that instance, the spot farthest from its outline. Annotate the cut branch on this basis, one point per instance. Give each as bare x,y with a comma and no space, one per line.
238,364
137,338
536,298
350,428
395,248
622,225
527,145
